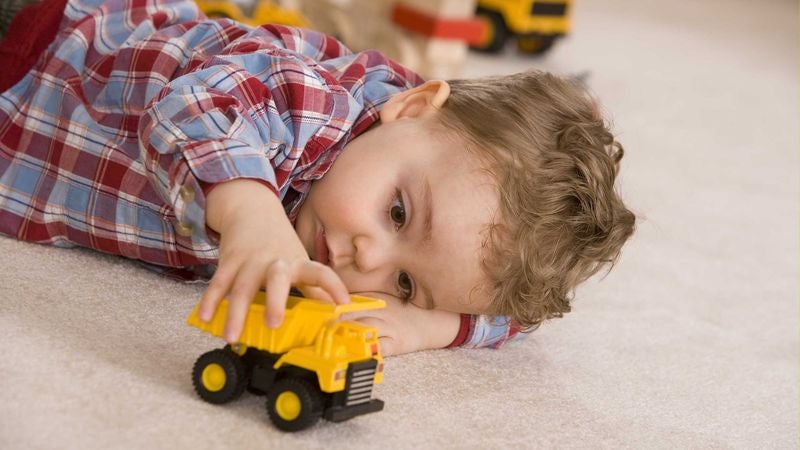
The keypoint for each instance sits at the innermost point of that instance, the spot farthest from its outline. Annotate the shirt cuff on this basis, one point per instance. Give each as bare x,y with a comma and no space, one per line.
463,331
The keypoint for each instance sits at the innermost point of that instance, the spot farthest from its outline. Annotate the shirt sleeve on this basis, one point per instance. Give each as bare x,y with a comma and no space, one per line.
259,111
485,331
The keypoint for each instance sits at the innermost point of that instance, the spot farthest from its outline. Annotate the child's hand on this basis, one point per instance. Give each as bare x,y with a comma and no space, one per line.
404,328
259,248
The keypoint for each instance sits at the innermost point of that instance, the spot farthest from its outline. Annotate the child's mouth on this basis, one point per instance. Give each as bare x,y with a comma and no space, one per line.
321,253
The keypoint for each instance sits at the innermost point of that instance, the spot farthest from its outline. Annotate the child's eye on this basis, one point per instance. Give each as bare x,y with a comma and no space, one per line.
406,286
397,210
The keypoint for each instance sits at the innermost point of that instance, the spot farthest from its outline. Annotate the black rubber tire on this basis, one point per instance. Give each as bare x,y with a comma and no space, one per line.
235,376
499,31
310,403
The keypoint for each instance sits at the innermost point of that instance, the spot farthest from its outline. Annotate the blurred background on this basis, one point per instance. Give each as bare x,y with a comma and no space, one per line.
430,36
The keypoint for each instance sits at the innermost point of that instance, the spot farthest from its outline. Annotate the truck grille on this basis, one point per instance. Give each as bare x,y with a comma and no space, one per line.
359,382
548,9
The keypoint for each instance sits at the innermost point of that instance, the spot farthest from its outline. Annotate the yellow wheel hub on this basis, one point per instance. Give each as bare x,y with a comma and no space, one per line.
288,406
214,377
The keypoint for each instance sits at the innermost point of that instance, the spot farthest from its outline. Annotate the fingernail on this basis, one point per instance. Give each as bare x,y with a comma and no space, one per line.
204,316
273,322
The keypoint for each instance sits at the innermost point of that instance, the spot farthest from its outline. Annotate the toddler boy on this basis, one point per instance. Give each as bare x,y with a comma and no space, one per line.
274,157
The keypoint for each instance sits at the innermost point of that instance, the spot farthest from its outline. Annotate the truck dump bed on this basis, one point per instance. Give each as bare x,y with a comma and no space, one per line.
303,319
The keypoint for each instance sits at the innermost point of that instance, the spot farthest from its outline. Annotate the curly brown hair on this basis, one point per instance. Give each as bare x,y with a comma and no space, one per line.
555,163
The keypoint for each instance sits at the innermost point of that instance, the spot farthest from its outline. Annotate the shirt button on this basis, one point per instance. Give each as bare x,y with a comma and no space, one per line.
184,229
187,194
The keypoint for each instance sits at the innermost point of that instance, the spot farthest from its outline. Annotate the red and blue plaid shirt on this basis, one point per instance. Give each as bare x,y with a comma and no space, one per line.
139,105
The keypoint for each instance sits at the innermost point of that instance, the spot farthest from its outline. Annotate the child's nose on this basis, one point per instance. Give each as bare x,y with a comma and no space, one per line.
371,253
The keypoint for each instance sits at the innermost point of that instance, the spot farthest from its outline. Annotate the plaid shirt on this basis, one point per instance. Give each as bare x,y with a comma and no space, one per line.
139,106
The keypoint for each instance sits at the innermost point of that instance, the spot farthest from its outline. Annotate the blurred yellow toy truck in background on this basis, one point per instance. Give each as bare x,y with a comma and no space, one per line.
536,24
254,13
312,366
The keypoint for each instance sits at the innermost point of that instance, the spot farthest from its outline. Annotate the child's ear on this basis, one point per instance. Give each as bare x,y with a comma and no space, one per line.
420,101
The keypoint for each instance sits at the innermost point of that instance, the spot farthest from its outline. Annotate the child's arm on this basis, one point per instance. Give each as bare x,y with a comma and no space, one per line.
405,328
259,247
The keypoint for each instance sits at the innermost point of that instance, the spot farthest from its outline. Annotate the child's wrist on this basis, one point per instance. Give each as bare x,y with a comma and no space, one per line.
445,331
230,199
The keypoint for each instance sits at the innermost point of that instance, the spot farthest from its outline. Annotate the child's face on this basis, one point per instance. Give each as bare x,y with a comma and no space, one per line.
402,213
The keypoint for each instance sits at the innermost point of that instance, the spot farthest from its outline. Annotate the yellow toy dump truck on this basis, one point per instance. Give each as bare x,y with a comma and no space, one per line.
535,23
312,366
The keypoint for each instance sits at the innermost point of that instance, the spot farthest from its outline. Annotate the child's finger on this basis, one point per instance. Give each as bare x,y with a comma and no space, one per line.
213,294
315,292
277,287
388,346
241,295
237,313
312,273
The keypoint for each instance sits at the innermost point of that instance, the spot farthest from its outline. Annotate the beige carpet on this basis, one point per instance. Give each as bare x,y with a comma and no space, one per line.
691,342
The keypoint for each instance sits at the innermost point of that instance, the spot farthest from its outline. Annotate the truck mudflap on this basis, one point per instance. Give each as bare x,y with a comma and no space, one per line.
342,413
356,399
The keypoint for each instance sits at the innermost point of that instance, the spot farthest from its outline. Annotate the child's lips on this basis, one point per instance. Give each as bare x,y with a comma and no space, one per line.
321,253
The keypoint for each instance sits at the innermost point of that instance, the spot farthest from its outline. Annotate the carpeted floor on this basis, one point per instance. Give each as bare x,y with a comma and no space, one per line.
691,342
